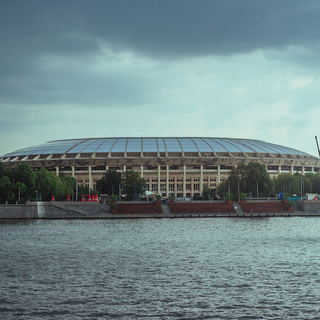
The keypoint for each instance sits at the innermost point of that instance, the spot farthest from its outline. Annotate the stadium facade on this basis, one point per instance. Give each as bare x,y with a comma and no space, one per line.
171,165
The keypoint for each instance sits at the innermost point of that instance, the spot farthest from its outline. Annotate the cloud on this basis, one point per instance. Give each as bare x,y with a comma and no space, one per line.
301,82
153,68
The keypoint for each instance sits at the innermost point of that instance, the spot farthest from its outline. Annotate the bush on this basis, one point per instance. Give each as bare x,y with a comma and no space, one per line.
243,196
113,205
229,196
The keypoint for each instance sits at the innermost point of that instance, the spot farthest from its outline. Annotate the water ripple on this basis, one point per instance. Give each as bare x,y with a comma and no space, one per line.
160,269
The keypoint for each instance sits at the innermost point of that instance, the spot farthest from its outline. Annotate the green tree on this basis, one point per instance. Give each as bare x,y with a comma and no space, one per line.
67,186
207,193
82,190
315,181
110,182
2,170
247,178
21,189
24,174
223,189
47,184
257,179
297,183
132,184
5,189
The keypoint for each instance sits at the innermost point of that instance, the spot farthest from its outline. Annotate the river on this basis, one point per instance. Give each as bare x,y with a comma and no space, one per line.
200,268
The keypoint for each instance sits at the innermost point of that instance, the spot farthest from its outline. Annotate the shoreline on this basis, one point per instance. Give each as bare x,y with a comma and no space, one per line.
134,210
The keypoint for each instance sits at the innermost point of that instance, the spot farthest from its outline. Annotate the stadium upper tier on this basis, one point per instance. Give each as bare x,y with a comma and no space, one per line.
162,147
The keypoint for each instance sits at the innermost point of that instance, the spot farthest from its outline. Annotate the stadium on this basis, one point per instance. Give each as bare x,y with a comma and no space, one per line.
170,165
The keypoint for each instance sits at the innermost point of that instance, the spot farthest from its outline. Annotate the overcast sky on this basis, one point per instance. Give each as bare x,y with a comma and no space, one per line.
123,68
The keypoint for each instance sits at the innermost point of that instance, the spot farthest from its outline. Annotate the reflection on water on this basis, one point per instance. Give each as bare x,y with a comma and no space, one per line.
265,268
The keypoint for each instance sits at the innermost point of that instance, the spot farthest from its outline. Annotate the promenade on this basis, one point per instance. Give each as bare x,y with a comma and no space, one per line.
129,210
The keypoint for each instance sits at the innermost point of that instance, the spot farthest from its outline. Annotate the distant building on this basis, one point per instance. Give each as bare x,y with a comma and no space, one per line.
179,166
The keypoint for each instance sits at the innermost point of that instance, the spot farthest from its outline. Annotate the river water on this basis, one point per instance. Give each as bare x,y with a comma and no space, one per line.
203,268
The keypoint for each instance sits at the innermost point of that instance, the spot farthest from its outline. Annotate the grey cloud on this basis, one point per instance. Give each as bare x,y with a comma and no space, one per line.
160,28
32,30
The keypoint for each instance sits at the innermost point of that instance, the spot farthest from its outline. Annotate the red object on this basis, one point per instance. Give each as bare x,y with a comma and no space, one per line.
97,198
68,198
89,197
52,198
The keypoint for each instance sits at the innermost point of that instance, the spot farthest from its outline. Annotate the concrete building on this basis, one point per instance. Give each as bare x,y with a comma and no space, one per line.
172,165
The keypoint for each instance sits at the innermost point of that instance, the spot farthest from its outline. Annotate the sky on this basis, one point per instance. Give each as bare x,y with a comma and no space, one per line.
129,68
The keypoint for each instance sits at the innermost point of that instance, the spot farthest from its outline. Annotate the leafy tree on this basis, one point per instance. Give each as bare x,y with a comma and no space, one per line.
5,189
223,189
24,174
82,189
245,178
47,184
2,170
315,181
287,183
21,190
257,174
68,185
132,184
109,183
208,193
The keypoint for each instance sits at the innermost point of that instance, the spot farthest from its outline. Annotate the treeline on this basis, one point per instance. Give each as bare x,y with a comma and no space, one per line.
129,184
253,180
21,183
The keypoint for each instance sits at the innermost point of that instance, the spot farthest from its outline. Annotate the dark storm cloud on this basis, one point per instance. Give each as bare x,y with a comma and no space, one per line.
35,33
162,28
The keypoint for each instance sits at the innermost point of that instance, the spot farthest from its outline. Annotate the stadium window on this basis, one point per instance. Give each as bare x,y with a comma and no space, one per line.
196,186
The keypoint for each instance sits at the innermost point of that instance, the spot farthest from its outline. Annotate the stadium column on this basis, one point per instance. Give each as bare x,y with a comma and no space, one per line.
302,170
279,169
90,179
141,171
73,171
184,180
57,171
201,179
159,176
218,176
167,182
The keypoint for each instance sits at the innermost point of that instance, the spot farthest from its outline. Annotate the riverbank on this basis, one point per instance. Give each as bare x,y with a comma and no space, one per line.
134,210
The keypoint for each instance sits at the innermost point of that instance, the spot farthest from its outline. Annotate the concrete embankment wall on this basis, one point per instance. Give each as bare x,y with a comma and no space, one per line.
311,206
52,210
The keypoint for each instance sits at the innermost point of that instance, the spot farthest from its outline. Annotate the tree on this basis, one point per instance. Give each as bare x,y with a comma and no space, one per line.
2,170
5,189
47,184
68,185
132,184
258,180
208,193
247,178
315,181
24,174
110,182
287,183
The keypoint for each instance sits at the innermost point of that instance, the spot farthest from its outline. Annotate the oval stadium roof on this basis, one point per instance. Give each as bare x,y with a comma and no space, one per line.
155,144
